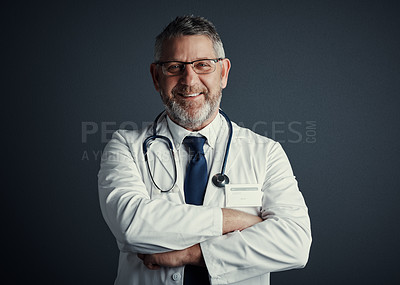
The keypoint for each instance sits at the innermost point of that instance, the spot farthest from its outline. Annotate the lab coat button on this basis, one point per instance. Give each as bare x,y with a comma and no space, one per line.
176,276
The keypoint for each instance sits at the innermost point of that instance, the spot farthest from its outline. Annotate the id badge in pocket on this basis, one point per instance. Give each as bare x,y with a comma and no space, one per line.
243,195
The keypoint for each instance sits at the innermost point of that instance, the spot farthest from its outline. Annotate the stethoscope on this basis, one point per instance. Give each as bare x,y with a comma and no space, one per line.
219,179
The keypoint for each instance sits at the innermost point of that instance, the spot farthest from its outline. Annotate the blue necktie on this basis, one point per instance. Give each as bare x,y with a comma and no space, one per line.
195,187
196,173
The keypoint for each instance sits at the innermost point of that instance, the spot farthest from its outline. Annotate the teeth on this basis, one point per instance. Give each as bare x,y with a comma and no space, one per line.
192,95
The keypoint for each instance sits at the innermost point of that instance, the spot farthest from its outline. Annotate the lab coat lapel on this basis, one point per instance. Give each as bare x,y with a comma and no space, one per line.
234,153
215,196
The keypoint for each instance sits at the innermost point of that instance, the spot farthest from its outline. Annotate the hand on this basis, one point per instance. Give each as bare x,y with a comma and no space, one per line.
234,220
191,255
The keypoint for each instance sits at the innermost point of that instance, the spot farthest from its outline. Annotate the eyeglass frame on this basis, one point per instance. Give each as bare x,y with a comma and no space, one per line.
161,63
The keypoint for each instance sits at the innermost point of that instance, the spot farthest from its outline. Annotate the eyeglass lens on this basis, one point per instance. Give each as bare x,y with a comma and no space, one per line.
200,67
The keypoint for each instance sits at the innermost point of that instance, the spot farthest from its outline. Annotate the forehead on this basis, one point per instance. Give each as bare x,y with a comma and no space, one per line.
187,48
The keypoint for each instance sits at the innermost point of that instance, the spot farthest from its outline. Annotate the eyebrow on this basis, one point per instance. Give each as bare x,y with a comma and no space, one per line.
172,60
189,62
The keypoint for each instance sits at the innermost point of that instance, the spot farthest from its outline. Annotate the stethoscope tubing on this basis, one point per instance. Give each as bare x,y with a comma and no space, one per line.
228,144
219,179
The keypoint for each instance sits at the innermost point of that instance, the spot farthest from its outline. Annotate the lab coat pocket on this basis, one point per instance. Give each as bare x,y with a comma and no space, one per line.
244,197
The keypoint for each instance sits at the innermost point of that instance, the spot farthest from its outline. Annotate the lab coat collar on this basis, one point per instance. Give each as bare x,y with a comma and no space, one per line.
210,132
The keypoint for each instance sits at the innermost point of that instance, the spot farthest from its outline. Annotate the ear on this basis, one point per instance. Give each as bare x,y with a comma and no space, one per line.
155,76
225,67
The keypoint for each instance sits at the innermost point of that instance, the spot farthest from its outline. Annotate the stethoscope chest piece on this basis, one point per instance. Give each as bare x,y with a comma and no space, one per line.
220,180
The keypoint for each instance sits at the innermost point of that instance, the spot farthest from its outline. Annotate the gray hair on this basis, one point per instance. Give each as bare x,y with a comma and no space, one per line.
188,26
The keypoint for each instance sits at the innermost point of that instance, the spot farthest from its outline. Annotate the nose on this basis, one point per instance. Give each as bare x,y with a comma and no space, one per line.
189,77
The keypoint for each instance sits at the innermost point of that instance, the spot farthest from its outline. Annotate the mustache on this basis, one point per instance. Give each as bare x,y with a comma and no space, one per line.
186,90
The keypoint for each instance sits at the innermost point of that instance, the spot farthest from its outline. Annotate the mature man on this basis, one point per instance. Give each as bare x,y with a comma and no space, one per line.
176,224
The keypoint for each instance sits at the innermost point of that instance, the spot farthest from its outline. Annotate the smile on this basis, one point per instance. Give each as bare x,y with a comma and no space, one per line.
191,95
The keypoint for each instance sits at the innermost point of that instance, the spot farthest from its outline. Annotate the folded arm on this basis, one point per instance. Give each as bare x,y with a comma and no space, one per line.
139,223
232,220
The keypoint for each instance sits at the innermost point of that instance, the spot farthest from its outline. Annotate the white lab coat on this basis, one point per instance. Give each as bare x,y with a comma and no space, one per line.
144,220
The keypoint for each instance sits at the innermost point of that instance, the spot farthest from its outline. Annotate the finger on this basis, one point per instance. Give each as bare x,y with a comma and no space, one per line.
152,266
141,256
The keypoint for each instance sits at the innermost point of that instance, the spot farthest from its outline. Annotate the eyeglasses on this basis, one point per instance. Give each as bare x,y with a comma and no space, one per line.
200,66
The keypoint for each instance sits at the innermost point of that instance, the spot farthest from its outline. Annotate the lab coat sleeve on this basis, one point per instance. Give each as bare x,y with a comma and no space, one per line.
141,224
280,242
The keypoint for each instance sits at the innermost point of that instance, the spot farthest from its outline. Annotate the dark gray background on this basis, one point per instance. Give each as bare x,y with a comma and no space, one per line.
335,63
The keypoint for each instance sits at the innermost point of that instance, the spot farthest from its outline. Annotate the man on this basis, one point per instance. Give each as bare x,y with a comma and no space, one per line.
181,228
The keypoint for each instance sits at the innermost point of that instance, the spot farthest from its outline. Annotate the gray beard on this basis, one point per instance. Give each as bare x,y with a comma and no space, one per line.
182,117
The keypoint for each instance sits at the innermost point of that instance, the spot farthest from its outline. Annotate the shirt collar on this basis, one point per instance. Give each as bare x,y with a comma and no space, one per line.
210,132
